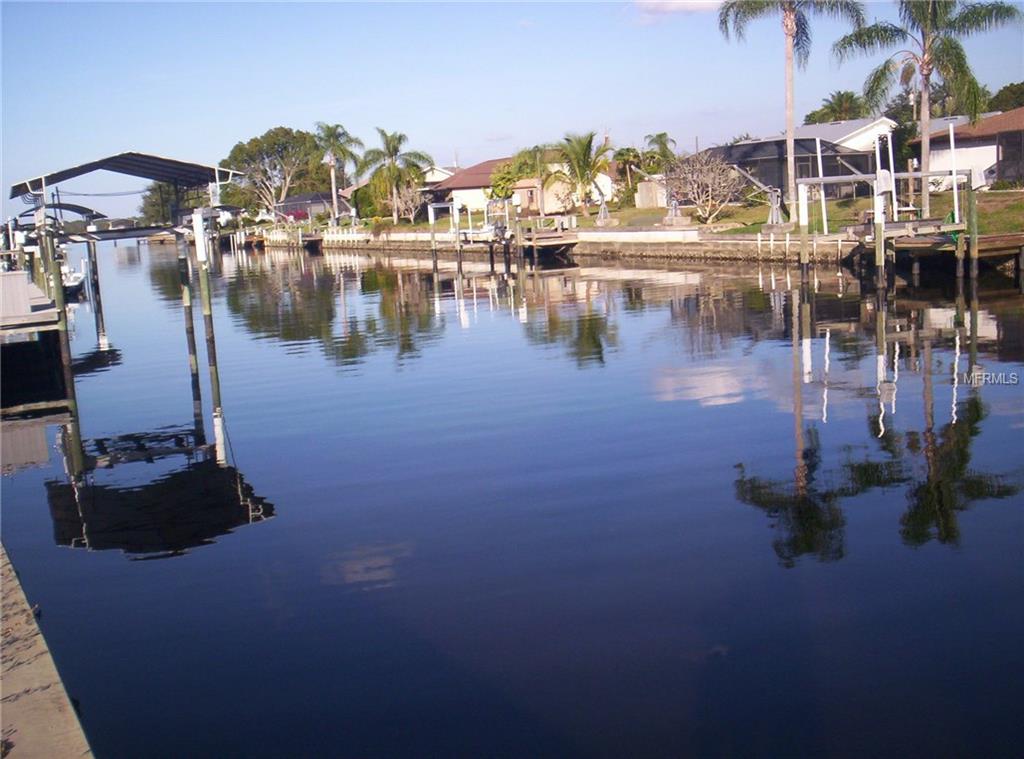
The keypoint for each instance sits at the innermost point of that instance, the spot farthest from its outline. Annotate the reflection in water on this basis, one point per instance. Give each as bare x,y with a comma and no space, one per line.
300,301
807,515
372,567
183,509
512,508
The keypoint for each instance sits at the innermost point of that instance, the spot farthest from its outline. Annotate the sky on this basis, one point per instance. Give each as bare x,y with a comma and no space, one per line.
472,80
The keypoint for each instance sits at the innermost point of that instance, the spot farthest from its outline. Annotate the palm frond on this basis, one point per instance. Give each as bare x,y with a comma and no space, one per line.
841,10
734,15
869,40
878,84
982,17
802,39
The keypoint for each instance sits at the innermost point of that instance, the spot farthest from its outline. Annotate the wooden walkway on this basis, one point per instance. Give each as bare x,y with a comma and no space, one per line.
38,718
23,306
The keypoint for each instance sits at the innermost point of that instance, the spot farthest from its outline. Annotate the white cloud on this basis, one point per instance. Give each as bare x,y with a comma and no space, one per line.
656,7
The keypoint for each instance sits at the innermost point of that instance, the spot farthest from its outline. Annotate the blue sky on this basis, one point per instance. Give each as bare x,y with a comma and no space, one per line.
190,80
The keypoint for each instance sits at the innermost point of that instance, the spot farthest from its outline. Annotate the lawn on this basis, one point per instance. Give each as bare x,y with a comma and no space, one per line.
999,212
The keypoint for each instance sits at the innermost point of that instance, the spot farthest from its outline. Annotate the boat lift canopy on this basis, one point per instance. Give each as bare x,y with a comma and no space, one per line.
156,168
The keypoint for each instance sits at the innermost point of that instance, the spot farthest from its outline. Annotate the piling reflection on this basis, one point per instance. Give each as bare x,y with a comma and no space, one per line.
835,331
195,496
932,465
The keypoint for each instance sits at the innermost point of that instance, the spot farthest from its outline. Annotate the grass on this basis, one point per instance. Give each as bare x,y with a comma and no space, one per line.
998,212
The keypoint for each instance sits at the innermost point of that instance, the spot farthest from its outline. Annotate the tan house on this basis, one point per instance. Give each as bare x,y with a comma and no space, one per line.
469,188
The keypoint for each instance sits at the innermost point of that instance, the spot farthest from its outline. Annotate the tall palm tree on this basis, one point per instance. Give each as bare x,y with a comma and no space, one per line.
928,44
629,160
582,160
343,145
733,17
662,145
392,167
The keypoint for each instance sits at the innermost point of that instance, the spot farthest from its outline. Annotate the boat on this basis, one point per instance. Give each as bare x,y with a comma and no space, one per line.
74,281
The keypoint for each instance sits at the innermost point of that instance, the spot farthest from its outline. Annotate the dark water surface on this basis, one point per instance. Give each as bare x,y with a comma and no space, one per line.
646,513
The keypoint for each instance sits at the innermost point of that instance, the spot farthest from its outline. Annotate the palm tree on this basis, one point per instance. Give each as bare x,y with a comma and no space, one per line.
582,161
928,44
393,168
733,17
339,151
535,162
629,160
664,146
841,105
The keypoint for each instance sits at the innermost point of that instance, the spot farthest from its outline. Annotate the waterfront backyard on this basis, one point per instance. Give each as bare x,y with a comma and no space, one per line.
605,511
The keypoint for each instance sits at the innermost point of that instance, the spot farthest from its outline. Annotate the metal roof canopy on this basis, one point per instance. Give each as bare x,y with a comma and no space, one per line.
156,168
87,213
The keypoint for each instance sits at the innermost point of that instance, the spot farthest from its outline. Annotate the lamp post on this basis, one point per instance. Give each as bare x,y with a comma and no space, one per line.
331,161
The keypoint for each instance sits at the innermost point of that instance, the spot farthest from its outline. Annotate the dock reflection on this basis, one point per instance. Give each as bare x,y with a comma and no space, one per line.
183,491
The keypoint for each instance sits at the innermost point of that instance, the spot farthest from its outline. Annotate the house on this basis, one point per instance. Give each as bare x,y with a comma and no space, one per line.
531,196
470,188
853,134
994,146
847,147
765,162
311,204
437,174
467,188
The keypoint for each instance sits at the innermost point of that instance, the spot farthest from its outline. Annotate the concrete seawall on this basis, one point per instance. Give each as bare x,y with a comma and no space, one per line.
654,244
38,718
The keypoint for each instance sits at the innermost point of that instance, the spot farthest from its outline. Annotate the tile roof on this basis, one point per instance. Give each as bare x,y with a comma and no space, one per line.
988,126
478,175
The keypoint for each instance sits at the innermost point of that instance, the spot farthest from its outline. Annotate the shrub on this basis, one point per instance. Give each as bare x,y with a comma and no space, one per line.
1007,184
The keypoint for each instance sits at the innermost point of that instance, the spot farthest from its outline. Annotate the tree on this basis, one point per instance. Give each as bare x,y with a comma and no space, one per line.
744,137
628,160
733,17
664,147
162,199
707,181
336,139
504,178
928,45
946,101
651,162
841,105
394,167
581,162
1009,97
410,201
536,162
272,163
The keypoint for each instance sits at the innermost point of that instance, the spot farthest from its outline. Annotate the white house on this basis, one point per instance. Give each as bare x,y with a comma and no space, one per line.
468,187
992,146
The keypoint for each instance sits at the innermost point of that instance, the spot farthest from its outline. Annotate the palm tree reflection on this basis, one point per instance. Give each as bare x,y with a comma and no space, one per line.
933,467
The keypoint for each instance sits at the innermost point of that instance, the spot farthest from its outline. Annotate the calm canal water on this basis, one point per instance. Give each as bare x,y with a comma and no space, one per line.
641,513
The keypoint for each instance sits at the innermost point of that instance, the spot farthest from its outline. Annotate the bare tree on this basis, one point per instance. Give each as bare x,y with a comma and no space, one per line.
410,201
705,180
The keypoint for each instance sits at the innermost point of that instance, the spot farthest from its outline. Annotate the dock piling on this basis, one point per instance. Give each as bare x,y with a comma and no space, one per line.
972,228
97,300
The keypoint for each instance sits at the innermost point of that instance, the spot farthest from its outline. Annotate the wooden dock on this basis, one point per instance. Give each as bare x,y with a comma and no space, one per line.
24,308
